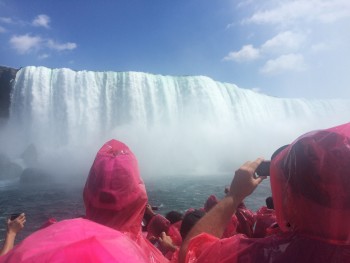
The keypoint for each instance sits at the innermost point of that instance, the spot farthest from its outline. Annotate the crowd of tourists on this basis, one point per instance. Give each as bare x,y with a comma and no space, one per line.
305,220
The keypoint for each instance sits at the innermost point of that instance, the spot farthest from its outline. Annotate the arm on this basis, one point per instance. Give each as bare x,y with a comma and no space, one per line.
13,227
215,221
149,213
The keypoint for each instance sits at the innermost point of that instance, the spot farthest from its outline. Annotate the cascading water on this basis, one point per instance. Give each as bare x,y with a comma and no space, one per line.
175,125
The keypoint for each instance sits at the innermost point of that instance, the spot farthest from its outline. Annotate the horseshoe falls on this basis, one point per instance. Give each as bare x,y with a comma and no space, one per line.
176,125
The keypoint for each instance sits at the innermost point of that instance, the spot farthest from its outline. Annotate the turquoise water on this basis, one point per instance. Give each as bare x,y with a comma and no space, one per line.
64,201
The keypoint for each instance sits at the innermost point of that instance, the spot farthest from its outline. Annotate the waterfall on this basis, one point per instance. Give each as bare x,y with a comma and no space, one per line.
174,124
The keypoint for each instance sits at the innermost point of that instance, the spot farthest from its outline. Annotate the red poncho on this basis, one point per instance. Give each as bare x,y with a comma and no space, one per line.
310,182
115,195
264,219
76,240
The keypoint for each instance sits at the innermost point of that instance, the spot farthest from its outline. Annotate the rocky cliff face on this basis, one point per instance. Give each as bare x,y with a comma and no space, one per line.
6,77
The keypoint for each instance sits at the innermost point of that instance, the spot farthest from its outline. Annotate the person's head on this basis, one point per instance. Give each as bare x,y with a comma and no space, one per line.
114,193
269,202
190,219
210,203
174,216
310,183
157,225
280,149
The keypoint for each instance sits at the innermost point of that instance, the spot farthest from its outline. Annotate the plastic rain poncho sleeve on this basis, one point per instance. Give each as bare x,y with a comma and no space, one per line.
310,181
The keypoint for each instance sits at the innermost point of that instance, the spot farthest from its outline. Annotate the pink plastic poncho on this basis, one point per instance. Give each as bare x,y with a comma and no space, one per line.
76,240
246,220
115,195
310,183
175,235
177,225
264,219
231,228
157,225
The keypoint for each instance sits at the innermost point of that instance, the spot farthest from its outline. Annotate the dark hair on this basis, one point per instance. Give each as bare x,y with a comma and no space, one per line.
190,219
174,216
278,151
269,203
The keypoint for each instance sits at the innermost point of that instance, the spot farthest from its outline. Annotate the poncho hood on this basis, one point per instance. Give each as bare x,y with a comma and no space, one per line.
114,193
310,181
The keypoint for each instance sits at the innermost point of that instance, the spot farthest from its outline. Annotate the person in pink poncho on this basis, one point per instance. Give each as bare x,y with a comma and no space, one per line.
115,199
265,219
76,240
310,182
115,195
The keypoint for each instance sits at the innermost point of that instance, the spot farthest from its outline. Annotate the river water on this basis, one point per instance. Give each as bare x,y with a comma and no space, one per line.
64,200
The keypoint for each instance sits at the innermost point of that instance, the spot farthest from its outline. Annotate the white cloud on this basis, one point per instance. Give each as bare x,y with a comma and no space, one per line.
303,36
290,62
25,43
230,25
287,12
29,43
60,47
247,53
245,3
43,56
319,47
6,20
13,21
41,21
284,42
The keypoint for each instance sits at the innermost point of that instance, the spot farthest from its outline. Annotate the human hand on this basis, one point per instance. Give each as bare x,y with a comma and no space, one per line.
166,242
16,225
244,181
149,211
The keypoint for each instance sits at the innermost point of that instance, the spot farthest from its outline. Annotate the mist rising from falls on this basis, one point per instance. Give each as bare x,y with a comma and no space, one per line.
174,125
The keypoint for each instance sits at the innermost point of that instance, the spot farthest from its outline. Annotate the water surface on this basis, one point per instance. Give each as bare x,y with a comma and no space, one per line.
65,200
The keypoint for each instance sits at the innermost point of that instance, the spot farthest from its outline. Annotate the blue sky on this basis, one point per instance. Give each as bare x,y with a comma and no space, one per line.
294,48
